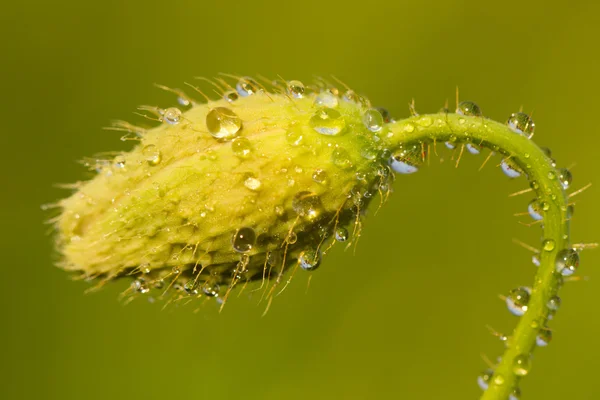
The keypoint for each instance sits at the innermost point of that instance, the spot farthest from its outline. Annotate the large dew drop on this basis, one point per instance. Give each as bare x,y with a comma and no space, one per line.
521,123
309,259
567,262
373,120
510,169
246,86
328,121
307,205
172,115
222,123
243,240
295,89
152,155
468,108
517,300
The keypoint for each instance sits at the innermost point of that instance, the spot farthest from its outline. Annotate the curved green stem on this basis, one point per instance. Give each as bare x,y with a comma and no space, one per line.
429,129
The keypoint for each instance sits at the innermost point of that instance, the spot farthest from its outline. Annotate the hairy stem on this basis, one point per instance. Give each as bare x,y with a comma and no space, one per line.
537,166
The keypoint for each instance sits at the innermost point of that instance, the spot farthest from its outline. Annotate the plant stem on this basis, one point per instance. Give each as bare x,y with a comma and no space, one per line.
543,176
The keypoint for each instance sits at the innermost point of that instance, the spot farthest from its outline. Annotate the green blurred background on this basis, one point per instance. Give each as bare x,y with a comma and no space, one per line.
406,316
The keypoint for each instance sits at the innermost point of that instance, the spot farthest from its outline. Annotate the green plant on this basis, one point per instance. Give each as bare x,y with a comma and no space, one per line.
264,180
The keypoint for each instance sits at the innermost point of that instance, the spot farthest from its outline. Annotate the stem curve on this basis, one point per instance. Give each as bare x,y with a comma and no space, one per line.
543,177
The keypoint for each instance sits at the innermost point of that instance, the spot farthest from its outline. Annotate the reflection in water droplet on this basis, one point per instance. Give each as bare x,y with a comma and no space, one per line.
517,300
295,89
484,379
246,86
151,154
373,120
535,209
241,147
548,244
252,183
309,259
341,234
543,338
320,176
307,205
326,99
328,121
521,123
567,262
231,96
554,303
473,148
210,289
565,177
509,168
222,123
468,108
521,365
243,240
341,159
172,115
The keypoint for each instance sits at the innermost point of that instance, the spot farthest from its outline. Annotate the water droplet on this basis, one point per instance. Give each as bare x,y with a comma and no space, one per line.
341,159
222,123
554,303
211,289
373,120
172,115
468,108
307,205
484,379
252,183
536,209
406,158
565,177
517,300
535,259
246,86
295,89
543,338
328,121
230,96
341,234
521,123
320,176
450,145
241,147
534,185
567,262
309,259
515,395
498,380
350,96
473,148
509,168
191,287
425,121
119,162
292,237
551,175
243,240
139,285
151,154
326,99
521,365
176,270
548,244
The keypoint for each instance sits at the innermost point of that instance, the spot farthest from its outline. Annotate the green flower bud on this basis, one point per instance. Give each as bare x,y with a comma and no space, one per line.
229,191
